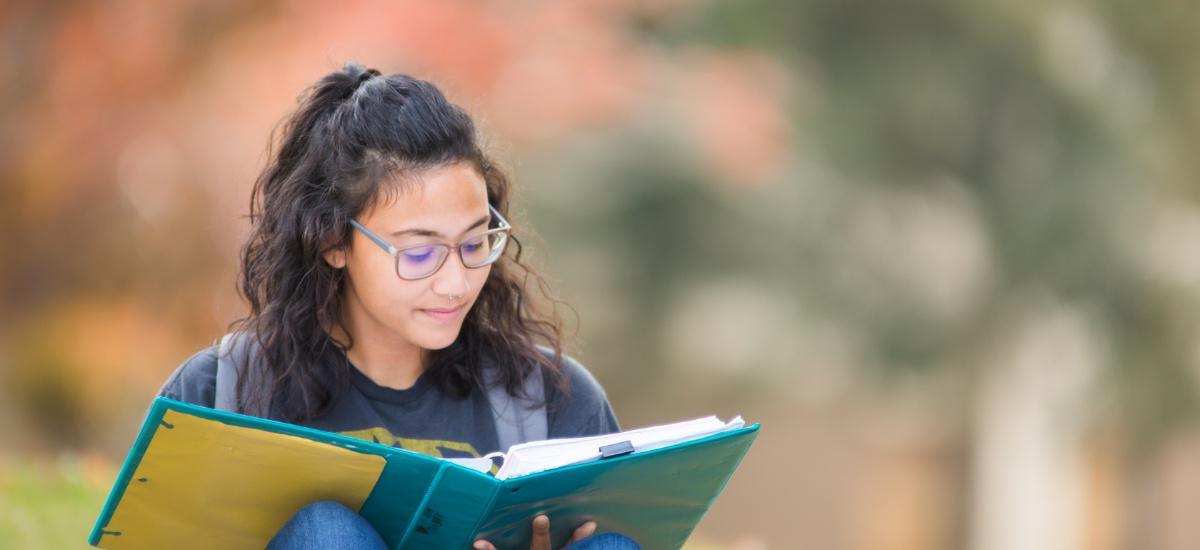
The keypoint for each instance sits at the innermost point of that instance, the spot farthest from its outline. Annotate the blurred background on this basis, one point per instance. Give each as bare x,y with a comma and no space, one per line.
946,252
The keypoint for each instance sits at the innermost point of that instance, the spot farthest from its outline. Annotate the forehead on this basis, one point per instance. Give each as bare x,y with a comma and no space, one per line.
439,198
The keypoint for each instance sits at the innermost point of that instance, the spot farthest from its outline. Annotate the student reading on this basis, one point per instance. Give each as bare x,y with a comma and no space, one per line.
380,284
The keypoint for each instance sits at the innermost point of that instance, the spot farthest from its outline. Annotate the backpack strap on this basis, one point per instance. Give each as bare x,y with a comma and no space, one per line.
236,350
518,419
227,374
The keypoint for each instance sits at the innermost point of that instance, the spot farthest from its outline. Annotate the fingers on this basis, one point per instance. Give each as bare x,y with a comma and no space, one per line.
584,531
541,533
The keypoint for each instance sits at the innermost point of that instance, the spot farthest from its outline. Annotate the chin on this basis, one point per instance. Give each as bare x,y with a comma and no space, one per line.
439,341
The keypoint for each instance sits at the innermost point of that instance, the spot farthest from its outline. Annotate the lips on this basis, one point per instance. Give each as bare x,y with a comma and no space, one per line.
444,314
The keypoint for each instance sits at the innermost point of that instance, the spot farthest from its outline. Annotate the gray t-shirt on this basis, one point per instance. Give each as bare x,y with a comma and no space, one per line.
421,418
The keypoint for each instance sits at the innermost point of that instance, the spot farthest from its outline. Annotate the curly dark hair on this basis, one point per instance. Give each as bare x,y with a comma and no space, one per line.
339,154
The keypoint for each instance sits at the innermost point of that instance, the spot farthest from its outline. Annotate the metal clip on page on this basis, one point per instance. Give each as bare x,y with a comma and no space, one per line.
616,449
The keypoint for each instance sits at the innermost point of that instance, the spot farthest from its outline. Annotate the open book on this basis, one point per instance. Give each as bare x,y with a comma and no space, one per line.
201,478
538,456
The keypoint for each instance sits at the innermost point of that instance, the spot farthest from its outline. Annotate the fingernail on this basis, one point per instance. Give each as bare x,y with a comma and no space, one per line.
479,545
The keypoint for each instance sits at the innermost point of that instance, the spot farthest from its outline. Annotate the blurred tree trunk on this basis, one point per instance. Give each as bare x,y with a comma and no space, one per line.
1028,439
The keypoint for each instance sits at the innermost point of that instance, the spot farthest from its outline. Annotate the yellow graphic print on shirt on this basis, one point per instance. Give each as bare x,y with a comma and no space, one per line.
431,447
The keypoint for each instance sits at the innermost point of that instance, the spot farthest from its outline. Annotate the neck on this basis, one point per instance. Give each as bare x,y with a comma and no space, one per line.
388,361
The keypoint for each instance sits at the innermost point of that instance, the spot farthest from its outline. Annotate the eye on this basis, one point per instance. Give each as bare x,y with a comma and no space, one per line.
475,245
419,255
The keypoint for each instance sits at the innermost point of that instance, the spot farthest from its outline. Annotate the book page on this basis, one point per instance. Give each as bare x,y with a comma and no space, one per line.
537,456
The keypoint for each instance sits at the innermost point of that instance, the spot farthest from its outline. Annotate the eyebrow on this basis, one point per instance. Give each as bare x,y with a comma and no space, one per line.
432,233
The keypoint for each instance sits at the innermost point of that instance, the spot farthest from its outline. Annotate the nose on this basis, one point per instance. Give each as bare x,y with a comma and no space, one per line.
451,279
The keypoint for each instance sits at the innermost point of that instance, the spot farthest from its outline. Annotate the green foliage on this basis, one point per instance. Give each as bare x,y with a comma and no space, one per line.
1047,118
49,505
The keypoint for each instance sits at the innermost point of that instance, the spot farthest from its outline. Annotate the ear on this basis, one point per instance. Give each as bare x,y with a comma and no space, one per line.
335,256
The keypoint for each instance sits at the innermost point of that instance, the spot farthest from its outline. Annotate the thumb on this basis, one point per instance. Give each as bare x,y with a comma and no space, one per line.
541,533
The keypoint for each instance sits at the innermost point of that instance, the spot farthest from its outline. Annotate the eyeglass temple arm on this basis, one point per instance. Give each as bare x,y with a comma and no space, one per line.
500,218
374,238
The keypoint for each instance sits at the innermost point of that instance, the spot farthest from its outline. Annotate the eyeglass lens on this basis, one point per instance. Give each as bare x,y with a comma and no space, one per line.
422,261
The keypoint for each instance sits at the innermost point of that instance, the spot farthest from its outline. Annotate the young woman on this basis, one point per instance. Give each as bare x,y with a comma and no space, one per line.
384,298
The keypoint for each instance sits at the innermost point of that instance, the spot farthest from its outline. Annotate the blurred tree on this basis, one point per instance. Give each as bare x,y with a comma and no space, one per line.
758,197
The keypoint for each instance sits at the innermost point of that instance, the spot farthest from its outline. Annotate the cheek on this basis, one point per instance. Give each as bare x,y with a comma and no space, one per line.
478,277
377,284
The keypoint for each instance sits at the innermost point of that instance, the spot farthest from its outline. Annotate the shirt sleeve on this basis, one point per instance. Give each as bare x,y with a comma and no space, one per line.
195,380
586,411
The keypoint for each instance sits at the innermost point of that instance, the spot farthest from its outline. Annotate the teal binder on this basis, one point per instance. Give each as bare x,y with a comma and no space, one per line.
200,478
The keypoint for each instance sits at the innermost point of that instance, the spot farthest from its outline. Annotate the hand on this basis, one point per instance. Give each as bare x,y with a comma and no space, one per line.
541,534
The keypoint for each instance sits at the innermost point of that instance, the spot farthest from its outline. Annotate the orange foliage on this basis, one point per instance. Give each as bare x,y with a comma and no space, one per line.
142,125
733,101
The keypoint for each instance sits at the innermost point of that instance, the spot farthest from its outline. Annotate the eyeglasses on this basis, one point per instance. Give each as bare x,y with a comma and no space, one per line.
423,260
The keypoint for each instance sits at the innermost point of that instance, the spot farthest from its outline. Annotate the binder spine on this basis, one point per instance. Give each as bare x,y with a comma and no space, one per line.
429,491
486,511
452,507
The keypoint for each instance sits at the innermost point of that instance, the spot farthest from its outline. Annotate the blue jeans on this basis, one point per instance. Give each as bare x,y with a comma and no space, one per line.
329,524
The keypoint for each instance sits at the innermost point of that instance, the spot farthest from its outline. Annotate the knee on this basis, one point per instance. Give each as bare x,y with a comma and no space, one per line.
607,541
324,511
617,541
325,524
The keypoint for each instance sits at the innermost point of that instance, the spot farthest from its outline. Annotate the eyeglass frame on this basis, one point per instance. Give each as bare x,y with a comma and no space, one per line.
394,252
